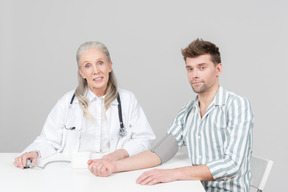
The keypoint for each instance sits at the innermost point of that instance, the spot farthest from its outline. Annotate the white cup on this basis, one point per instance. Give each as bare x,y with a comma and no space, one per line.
80,159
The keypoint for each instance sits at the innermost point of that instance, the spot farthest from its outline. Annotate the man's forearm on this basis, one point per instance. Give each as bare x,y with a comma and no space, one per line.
142,160
199,172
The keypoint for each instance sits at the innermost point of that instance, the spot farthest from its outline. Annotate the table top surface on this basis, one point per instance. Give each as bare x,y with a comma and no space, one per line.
62,177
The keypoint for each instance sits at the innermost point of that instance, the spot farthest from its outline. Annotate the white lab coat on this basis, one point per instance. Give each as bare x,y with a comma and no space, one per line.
56,135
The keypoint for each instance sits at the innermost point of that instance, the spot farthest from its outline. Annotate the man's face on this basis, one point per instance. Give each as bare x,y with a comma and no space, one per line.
202,73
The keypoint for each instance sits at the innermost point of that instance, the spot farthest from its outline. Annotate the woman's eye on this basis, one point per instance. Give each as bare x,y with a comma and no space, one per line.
100,62
87,66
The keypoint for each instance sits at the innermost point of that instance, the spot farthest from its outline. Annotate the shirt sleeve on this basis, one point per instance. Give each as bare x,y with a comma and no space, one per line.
176,128
238,143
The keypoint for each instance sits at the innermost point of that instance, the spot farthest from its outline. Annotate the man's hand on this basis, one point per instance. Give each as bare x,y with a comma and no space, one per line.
157,176
200,172
101,167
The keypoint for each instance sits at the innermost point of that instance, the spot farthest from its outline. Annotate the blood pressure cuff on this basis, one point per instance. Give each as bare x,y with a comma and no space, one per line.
166,148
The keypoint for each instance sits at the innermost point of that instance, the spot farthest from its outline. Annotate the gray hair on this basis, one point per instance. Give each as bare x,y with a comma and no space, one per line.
111,93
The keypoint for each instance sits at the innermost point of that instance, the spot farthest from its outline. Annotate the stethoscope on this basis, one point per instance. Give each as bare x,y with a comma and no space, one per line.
122,130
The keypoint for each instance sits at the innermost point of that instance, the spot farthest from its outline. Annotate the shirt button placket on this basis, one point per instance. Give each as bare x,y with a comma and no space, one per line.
199,142
98,124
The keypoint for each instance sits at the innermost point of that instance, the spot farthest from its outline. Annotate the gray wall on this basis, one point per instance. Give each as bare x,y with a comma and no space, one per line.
38,41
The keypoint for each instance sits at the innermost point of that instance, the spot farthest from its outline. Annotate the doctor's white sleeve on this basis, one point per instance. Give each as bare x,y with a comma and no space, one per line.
142,135
51,135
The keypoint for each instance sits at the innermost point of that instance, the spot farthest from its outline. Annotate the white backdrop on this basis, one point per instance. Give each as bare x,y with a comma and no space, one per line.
38,42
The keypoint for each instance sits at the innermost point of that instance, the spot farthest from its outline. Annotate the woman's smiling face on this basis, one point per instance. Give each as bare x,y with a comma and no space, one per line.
95,68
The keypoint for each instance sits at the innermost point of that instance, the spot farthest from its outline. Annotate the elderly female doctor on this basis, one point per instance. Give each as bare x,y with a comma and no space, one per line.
88,118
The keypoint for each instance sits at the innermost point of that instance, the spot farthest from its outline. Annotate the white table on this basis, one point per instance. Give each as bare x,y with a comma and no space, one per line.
61,177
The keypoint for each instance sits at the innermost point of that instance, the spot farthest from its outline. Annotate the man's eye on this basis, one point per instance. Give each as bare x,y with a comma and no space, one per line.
202,68
189,69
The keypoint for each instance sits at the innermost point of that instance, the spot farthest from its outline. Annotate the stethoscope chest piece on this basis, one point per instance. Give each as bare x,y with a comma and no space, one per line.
122,132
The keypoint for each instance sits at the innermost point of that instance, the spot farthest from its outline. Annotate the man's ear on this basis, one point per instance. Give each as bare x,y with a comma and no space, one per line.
218,69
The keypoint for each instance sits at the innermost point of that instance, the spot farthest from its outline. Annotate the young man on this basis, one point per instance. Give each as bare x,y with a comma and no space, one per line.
216,127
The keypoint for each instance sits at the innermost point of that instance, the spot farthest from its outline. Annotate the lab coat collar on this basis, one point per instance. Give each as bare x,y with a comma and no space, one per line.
91,97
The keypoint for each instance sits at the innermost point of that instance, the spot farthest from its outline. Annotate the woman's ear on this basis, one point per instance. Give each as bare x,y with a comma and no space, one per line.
80,72
110,67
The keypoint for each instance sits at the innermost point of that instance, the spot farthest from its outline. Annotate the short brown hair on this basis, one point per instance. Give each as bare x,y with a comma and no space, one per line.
200,47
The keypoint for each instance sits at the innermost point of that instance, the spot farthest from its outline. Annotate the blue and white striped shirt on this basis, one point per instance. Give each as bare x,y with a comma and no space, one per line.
221,139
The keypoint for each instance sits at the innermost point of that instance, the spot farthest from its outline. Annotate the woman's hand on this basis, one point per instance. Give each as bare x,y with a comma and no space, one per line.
21,160
116,155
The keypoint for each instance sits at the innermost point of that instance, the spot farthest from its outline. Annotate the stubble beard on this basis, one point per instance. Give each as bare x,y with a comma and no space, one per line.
199,89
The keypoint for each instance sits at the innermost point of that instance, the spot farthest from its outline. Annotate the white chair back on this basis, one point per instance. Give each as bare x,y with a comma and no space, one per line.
260,169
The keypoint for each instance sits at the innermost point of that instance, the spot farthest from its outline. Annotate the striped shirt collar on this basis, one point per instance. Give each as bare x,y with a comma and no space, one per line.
219,99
